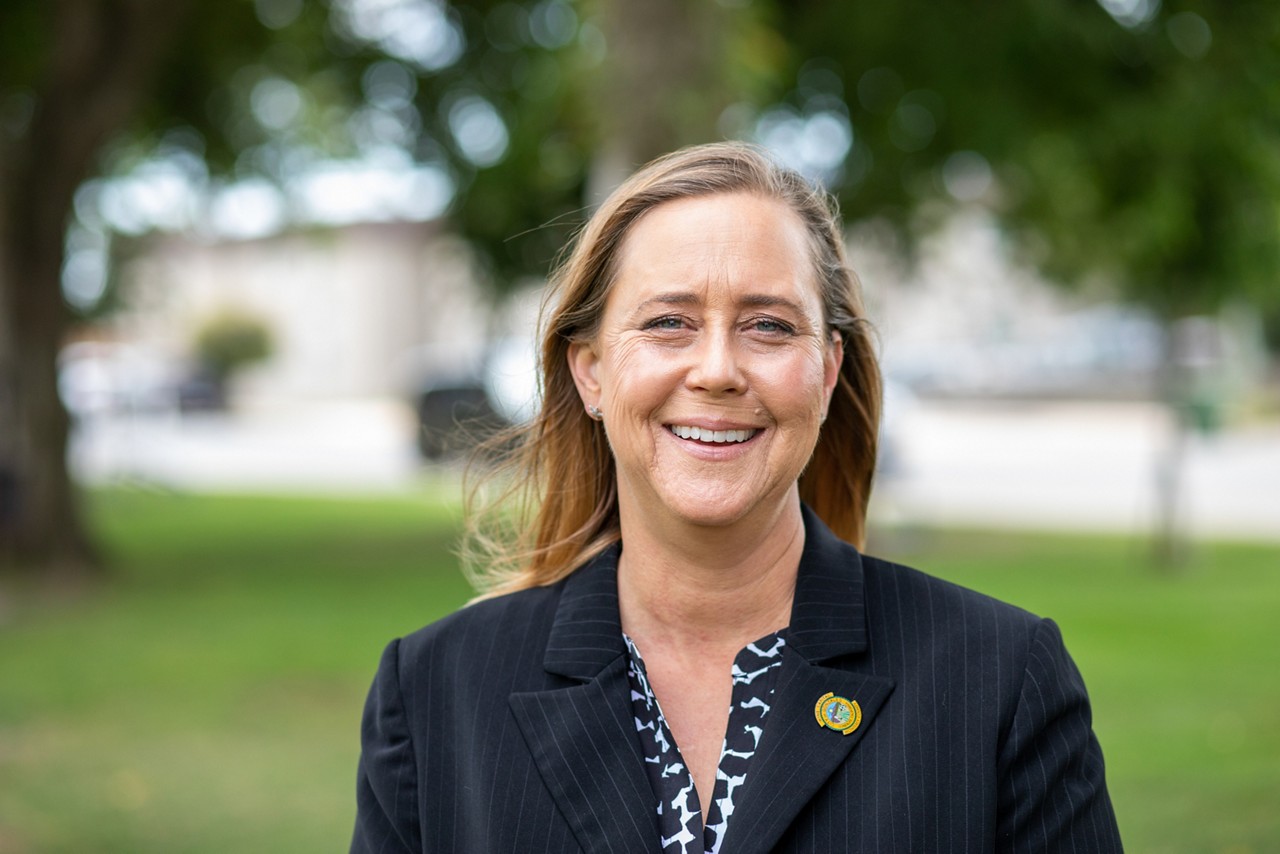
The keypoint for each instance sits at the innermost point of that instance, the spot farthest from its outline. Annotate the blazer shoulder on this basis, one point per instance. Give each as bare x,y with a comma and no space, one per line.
881,572
922,627
902,595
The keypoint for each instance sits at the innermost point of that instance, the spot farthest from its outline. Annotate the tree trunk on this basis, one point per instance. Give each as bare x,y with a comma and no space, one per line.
102,56
663,83
43,527
1171,546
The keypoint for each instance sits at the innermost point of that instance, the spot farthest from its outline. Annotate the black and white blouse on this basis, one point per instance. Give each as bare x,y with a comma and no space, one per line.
684,828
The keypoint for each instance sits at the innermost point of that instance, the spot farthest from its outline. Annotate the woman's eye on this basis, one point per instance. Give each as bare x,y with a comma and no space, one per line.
771,326
667,322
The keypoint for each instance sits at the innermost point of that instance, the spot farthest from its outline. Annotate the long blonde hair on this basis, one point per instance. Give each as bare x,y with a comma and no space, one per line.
542,499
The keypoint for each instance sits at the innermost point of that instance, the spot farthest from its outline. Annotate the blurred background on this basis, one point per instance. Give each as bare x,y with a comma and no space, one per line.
259,257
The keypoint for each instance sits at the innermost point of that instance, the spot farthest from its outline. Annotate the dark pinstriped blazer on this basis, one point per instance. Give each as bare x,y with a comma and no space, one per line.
507,726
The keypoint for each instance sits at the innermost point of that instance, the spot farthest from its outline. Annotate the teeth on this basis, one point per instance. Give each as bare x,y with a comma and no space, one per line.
718,437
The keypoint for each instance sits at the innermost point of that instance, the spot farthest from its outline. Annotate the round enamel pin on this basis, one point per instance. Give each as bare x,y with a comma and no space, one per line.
837,713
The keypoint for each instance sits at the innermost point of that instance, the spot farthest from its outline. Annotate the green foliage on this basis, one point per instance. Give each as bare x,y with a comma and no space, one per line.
226,52
208,698
1144,154
231,341
23,35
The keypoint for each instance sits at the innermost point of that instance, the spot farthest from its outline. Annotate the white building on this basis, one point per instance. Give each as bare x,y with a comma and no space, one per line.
359,311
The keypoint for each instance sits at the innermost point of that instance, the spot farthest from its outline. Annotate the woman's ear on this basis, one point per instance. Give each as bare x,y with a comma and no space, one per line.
832,361
584,365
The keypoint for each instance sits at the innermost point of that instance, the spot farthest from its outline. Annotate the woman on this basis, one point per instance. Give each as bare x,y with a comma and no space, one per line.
682,651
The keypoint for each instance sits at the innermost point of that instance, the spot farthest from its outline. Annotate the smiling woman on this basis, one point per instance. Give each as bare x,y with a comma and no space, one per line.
680,647
714,325
562,483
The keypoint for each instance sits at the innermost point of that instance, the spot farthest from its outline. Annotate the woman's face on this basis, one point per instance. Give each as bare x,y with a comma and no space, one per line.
713,366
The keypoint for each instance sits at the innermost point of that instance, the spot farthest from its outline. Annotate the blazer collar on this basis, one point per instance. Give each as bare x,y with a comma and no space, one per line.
587,633
828,614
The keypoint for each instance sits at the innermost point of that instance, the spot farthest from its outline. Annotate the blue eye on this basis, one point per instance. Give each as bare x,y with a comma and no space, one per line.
669,321
770,325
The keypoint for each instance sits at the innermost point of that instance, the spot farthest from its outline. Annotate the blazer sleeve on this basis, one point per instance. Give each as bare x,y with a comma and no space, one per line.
386,779
1052,790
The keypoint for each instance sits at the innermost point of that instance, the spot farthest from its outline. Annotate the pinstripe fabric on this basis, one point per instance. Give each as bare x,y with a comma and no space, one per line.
506,726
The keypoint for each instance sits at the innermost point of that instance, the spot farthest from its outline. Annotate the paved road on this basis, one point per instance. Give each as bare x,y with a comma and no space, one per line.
324,447
1089,466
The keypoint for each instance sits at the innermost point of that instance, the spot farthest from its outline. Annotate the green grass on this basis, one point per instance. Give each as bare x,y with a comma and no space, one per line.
207,698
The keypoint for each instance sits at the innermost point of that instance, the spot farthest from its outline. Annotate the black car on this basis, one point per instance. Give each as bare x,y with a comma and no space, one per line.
453,417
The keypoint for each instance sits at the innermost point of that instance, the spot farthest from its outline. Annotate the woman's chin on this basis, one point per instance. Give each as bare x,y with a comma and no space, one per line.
714,519
715,506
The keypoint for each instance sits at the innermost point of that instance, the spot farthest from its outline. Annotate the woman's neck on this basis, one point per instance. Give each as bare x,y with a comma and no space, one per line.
694,586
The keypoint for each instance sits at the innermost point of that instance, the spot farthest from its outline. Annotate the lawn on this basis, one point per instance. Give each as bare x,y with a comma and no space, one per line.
207,698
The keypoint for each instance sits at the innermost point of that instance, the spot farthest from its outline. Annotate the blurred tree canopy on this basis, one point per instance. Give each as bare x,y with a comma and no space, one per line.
242,88
1128,142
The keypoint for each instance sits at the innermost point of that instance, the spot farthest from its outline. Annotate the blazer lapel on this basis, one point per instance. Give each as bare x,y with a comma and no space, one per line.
582,737
797,754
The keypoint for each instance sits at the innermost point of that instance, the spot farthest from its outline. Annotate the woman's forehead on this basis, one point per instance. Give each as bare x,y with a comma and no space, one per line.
716,219
743,248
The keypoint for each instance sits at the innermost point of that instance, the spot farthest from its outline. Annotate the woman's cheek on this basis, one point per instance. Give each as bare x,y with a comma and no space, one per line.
634,362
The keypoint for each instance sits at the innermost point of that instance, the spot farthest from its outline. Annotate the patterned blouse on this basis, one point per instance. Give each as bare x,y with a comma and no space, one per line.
680,817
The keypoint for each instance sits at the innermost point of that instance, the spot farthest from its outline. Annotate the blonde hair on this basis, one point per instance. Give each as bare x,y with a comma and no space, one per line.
542,499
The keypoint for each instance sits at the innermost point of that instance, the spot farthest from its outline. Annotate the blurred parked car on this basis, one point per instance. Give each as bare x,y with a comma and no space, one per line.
200,390
459,409
454,415
106,378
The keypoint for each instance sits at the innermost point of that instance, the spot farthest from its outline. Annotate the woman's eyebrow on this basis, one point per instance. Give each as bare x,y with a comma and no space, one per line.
673,298
769,301
745,301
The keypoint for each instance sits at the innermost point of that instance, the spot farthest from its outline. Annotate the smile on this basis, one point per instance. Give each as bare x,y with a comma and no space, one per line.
714,437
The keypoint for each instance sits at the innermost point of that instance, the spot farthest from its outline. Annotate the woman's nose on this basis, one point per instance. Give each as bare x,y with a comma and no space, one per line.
717,367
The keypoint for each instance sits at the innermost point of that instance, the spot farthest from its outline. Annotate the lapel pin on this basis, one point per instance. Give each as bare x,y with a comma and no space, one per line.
837,713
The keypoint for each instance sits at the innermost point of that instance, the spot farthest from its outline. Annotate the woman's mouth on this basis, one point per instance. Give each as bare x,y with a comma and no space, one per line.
711,437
